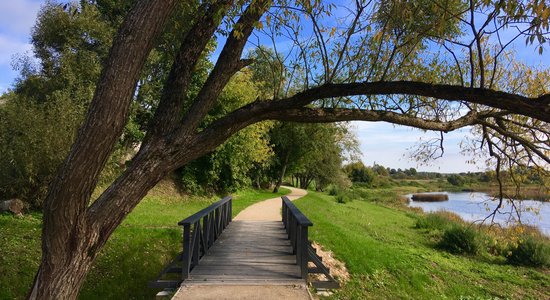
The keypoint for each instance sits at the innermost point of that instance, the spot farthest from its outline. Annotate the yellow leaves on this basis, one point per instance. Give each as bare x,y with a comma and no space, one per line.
378,36
237,34
332,31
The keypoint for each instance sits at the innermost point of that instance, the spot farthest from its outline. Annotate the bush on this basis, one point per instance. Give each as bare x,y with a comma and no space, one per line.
433,221
34,140
333,191
460,240
342,199
456,180
530,252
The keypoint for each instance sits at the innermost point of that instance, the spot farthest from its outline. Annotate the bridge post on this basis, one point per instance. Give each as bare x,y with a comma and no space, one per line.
303,245
186,255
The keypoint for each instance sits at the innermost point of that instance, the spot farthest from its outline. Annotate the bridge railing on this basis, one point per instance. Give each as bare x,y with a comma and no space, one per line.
296,226
201,230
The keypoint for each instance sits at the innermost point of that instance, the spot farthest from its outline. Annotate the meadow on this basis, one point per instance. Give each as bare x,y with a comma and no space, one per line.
137,251
390,256
391,251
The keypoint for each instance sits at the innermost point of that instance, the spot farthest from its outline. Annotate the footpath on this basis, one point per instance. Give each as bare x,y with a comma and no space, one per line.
261,212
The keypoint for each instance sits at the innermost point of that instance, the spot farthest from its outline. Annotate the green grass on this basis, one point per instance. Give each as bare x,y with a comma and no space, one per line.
389,258
136,252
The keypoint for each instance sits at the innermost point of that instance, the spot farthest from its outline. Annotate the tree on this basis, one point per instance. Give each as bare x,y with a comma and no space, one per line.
358,172
228,168
48,102
374,71
455,179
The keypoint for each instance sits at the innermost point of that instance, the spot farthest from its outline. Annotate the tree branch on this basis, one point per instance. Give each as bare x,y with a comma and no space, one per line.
229,62
225,127
169,112
538,108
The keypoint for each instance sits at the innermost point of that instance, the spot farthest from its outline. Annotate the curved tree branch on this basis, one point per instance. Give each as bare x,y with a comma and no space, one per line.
538,108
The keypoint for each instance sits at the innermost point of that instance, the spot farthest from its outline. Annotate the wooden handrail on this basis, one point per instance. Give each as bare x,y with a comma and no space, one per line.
296,225
203,212
300,217
199,236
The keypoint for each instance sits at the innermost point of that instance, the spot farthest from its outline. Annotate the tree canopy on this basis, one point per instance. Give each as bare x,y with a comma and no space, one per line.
435,65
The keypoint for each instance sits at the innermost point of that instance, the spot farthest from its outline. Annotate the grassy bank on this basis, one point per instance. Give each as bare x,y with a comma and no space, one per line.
389,258
135,254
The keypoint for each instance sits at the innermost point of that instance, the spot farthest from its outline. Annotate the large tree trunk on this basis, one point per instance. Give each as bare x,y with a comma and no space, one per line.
70,238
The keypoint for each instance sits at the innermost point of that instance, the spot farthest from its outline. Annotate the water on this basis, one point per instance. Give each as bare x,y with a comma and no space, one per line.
477,206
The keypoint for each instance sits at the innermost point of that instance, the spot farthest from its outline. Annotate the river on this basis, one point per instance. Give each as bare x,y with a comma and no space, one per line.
476,206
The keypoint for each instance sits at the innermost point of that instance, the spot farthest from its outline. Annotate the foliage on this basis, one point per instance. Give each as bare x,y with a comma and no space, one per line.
231,165
357,172
38,123
455,179
312,152
48,102
461,240
342,199
530,252
433,221
34,140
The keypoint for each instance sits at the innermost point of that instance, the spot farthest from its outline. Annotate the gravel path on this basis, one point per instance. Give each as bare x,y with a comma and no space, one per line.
268,210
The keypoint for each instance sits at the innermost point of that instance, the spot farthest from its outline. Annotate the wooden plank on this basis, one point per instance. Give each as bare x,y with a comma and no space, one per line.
164,284
242,277
286,281
325,285
249,252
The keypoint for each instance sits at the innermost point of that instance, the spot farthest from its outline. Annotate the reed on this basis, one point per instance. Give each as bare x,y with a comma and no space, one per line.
430,197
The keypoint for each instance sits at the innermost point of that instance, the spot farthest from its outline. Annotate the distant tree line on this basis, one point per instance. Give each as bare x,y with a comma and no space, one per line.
378,175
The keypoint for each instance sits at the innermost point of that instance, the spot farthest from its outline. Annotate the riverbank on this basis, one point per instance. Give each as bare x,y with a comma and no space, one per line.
389,258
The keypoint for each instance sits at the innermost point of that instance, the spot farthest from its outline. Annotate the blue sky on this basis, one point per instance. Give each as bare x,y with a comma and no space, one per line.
380,142
16,20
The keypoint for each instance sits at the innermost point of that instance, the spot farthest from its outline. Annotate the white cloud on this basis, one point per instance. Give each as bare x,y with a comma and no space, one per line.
388,145
10,47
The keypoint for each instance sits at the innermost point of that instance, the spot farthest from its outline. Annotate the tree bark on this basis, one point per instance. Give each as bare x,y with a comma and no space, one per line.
68,237
282,174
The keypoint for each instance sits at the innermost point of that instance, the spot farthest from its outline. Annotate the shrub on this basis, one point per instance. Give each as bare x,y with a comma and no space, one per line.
433,221
342,199
333,190
530,252
460,240
455,179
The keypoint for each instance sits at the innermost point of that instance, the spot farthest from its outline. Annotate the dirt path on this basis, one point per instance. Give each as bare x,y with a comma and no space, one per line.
268,210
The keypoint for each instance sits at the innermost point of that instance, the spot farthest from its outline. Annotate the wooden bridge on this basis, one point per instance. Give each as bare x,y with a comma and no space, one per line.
219,251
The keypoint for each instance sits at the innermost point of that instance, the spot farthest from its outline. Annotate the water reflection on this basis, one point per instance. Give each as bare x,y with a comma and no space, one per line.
477,206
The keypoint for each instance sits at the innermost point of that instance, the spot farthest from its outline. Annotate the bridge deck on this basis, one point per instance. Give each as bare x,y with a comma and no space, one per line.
249,252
